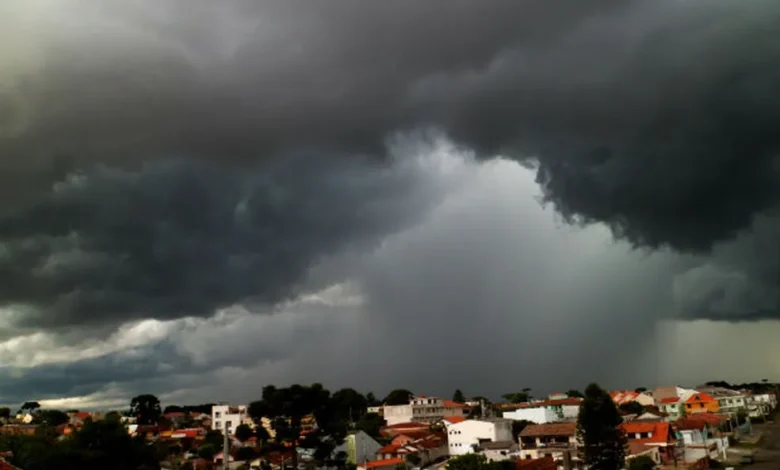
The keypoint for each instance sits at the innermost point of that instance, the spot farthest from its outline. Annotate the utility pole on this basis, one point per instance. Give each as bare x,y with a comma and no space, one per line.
226,450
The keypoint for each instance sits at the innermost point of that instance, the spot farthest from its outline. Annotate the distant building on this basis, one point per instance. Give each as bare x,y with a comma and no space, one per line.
465,437
540,415
423,410
555,440
359,447
227,417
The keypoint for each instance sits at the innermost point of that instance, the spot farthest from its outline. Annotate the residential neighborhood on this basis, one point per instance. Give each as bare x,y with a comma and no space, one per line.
667,427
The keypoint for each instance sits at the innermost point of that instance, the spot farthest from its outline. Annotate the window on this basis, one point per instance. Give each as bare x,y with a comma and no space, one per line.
229,424
218,425
217,415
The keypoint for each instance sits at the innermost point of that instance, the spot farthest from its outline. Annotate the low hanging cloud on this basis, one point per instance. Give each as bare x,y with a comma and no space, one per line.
184,239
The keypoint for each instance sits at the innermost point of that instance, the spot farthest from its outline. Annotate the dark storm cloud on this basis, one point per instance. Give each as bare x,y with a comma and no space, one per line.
656,118
184,239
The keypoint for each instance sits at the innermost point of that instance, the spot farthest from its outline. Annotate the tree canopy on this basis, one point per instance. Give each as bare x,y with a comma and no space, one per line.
458,396
573,393
602,441
399,396
146,409
516,397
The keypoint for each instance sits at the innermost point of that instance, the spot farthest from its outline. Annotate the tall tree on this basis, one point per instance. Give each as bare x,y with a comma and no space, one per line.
30,406
573,393
516,397
243,432
348,405
372,400
5,412
399,396
52,418
286,407
146,409
458,396
602,441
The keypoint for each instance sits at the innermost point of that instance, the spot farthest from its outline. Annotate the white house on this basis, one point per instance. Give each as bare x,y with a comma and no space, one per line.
466,436
623,397
227,417
535,415
423,410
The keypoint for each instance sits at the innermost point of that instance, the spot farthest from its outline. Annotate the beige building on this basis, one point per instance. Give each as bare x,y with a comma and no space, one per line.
423,410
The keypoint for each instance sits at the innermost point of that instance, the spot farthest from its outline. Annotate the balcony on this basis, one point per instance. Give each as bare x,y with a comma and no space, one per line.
553,444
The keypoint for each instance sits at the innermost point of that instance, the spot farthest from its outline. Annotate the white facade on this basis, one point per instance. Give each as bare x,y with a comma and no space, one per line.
570,411
535,415
422,410
226,416
463,437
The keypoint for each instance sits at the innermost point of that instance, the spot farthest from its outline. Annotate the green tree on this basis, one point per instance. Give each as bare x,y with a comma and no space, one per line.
348,404
602,441
262,435
399,396
371,424
207,451
5,412
458,396
632,407
243,432
640,389
215,438
245,454
372,400
52,418
516,397
574,394
642,462
30,406
517,428
146,409
286,407
113,416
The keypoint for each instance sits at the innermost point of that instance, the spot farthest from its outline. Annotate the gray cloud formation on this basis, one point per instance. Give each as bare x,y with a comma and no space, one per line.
655,118
181,239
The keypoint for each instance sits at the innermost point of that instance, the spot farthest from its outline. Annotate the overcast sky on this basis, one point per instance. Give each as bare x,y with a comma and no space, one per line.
198,199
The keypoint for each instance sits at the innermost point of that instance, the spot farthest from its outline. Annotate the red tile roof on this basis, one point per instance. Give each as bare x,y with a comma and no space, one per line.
385,463
453,404
670,400
82,415
410,425
700,396
389,449
659,432
545,463
549,429
455,419
699,420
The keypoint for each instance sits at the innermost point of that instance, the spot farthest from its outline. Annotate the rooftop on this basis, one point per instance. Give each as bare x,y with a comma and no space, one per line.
549,429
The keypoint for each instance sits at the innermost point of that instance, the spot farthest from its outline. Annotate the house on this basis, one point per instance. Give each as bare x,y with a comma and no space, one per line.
769,399
564,409
653,434
637,450
624,397
672,406
699,437
701,402
555,440
466,436
423,409
498,451
78,418
403,428
651,416
540,415
388,464
427,448
359,447
671,392
226,417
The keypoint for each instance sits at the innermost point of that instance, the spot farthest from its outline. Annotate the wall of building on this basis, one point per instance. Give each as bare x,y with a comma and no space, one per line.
225,415
463,436
536,415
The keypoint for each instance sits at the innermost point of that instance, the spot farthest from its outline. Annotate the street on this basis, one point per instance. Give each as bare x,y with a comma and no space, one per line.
767,453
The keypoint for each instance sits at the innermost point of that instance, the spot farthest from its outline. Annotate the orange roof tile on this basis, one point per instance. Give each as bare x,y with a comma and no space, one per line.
455,419
659,432
549,429
389,449
453,404
700,396
384,463
670,400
